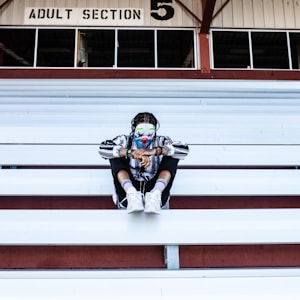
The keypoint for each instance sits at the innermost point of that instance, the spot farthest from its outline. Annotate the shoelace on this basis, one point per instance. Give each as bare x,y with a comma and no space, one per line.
143,197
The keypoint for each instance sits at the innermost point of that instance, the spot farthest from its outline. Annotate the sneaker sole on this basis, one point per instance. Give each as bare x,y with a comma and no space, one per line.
135,210
152,211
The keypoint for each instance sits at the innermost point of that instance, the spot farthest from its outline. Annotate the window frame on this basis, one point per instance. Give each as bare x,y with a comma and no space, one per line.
116,29
250,31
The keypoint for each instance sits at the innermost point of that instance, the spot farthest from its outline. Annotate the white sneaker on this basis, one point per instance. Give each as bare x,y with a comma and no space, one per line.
153,202
134,201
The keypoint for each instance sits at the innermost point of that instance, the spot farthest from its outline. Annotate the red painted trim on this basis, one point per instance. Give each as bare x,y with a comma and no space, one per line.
240,256
118,257
176,202
151,74
204,53
78,257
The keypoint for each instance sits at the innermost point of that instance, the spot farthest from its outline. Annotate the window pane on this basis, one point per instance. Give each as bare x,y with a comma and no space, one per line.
17,47
136,48
175,49
295,49
96,48
56,48
270,50
231,49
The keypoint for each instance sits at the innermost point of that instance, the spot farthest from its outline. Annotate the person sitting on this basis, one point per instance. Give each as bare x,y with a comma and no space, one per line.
143,165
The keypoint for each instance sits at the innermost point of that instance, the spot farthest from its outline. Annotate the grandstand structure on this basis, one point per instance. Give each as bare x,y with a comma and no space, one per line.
221,75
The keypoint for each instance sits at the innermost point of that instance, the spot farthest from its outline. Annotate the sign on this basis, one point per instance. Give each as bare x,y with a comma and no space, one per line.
84,16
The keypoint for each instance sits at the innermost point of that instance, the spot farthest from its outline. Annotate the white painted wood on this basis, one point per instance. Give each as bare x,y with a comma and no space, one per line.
84,111
236,284
212,135
290,8
199,155
171,227
279,15
269,17
17,15
199,182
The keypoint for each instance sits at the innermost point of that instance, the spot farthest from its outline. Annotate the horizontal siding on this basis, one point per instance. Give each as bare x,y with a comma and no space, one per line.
13,14
268,14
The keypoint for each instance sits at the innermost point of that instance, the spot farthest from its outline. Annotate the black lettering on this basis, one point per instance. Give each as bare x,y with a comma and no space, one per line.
104,13
95,14
136,14
50,13
68,13
57,14
32,14
86,14
127,14
166,8
113,11
41,13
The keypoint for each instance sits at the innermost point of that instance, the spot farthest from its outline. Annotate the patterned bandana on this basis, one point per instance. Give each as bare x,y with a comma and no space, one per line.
144,134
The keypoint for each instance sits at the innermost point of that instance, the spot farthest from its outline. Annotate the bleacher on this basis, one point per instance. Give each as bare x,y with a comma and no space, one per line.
232,229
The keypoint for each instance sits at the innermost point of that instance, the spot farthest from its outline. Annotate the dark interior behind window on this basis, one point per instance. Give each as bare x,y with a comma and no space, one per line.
295,49
17,47
175,49
270,50
96,48
231,49
136,48
56,48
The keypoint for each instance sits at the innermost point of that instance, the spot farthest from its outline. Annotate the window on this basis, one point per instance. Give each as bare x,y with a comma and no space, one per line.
295,50
56,48
17,47
256,49
136,48
175,49
270,50
96,48
231,49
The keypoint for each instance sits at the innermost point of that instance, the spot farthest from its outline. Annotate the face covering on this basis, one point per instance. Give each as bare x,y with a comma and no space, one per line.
144,134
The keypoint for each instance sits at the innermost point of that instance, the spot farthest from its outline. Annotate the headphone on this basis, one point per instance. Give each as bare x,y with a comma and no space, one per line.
144,117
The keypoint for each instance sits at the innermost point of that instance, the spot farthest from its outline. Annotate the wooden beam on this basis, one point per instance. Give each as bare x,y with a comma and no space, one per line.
188,10
208,7
4,4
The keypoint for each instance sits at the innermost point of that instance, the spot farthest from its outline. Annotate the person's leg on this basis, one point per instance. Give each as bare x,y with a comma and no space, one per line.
127,194
158,189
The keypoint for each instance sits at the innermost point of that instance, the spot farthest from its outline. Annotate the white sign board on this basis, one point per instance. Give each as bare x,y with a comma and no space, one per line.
84,16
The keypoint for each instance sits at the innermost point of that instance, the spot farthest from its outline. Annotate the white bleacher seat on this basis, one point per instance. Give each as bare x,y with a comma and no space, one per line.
196,111
244,140
200,155
172,227
214,284
194,182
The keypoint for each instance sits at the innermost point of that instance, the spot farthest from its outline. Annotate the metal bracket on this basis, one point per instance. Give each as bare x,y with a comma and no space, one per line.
171,254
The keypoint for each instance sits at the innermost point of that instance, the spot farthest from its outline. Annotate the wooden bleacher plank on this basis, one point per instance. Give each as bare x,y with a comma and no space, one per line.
198,182
234,284
219,112
217,134
172,227
200,155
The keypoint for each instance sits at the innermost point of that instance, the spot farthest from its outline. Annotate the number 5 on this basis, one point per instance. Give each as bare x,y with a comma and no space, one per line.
156,6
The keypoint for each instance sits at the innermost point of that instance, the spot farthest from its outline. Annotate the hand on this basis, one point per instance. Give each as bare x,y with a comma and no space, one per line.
145,161
143,156
138,153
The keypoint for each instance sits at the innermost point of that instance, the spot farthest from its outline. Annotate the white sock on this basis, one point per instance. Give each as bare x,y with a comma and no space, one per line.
128,186
160,185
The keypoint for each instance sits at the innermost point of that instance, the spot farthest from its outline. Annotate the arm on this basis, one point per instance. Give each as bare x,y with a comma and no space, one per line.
176,150
110,149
